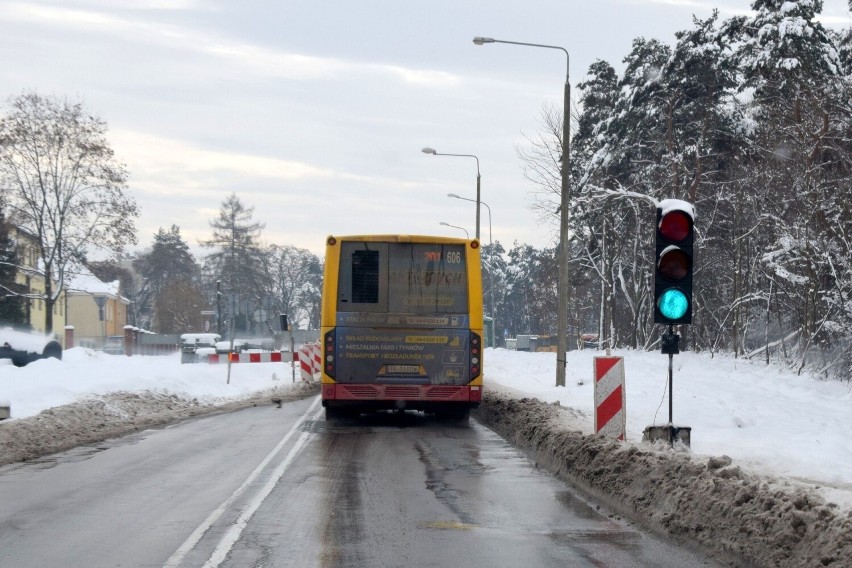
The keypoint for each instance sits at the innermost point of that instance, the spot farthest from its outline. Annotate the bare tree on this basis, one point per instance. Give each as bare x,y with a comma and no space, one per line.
64,186
295,276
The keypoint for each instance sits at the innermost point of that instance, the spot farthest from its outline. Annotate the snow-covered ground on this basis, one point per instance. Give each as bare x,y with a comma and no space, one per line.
83,373
768,477
768,420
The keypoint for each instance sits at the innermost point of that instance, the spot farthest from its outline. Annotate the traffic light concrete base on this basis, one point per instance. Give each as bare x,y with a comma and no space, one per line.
668,433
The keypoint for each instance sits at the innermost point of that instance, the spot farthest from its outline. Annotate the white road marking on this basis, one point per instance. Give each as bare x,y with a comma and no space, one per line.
228,540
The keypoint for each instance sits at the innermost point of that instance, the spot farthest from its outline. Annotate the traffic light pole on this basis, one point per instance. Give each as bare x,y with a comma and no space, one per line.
671,386
671,346
673,340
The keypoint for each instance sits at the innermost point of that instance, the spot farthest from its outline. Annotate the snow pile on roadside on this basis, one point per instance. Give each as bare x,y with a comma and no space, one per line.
115,414
90,396
739,517
83,373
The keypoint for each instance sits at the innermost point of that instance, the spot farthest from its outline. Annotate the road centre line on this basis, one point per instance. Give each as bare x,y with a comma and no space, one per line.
233,535
190,543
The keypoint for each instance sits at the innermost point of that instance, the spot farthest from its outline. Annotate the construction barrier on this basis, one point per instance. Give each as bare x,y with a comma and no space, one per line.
310,361
309,357
610,413
265,357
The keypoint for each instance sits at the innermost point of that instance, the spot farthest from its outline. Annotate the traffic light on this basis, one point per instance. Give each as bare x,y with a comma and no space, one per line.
674,262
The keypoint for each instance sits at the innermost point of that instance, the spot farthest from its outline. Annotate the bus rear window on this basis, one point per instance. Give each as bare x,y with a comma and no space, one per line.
402,278
365,276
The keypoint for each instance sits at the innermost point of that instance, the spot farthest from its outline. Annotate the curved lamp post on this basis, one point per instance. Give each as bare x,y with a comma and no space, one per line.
432,151
456,227
491,272
562,293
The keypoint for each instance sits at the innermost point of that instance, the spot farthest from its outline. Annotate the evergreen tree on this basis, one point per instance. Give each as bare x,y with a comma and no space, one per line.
166,267
178,307
792,65
750,120
598,96
784,52
11,301
595,216
531,290
237,261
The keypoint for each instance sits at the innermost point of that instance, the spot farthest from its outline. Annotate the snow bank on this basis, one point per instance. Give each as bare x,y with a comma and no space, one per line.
98,418
740,518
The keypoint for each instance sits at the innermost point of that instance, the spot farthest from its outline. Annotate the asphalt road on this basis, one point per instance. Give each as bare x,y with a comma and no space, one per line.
278,487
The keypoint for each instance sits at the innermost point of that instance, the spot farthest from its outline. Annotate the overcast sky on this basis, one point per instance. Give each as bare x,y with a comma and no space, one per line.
314,112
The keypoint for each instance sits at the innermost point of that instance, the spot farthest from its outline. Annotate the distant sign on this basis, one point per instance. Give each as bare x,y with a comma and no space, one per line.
208,312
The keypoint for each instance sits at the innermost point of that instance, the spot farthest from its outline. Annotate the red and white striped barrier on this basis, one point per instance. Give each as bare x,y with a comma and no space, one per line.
266,357
610,413
310,361
316,354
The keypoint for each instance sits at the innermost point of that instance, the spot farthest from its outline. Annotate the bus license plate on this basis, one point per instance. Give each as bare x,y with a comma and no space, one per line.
403,369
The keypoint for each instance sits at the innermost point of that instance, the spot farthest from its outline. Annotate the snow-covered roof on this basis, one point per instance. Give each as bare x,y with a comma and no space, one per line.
84,282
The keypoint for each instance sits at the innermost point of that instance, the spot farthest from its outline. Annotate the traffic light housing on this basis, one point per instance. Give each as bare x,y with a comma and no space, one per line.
673,262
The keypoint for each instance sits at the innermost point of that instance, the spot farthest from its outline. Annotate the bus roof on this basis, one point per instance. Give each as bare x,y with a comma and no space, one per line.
399,239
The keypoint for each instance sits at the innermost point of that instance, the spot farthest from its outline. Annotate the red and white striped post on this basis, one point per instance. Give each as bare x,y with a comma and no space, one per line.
310,361
610,413
316,358
306,363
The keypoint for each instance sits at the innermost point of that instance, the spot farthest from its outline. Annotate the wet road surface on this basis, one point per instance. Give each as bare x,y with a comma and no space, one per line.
283,487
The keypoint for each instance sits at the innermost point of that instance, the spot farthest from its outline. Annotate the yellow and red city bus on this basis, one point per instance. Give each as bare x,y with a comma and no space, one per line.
401,325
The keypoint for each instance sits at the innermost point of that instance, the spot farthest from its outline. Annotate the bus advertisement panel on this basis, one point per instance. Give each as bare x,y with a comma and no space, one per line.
402,324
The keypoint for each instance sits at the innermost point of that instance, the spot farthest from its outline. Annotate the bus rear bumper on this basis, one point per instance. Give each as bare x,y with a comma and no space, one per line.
414,395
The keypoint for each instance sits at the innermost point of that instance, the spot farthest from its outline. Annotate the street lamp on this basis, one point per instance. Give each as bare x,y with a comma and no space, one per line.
562,294
456,227
491,258
101,302
432,151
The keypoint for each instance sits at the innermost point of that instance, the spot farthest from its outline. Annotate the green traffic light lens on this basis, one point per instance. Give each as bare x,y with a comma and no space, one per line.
673,304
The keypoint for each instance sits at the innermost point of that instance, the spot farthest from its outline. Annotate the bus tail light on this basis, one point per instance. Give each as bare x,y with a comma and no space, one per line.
475,355
328,350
